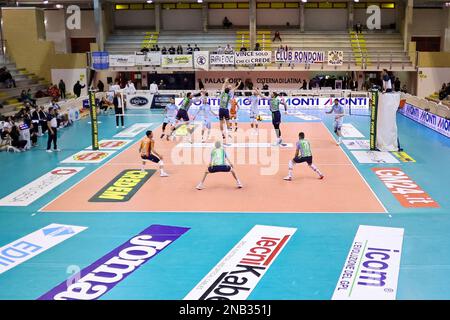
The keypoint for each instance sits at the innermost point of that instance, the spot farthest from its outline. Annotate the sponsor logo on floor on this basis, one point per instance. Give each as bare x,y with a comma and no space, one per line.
133,130
357,144
123,187
88,157
233,145
105,273
39,187
349,131
374,157
111,144
404,189
372,266
238,273
23,249
403,156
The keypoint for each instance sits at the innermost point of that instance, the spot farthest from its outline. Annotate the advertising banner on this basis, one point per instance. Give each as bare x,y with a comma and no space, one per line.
139,100
427,119
100,60
152,58
122,60
201,60
308,57
176,61
86,156
335,58
221,59
252,57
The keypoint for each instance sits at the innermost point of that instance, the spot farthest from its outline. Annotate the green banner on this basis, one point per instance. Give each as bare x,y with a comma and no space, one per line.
94,122
373,119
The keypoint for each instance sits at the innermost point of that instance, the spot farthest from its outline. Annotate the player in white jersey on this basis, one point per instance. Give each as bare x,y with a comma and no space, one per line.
205,111
339,112
254,101
170,113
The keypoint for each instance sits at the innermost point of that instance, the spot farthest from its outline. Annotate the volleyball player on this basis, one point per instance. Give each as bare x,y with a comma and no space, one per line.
302,154
205,112
219,163
254,101
182,116
170,114
274,103
234,108
338,110
148,153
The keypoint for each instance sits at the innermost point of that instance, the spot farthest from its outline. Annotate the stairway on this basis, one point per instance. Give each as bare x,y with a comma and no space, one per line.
263,37
150,39
359,49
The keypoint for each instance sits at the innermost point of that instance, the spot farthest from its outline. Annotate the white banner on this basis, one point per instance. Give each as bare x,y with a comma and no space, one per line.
221,59
122,60
374,157
335,58
133,130
141,100
252,57
87,156
238,273
152,58
357,144
300,56
427,119
39,187
293,103
201,60
372,266
176,60
23,249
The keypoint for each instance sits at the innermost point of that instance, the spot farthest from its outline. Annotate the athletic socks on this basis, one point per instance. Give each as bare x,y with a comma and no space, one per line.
316,170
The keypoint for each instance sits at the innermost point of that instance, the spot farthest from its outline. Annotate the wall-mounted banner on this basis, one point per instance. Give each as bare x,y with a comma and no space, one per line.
427,119
100,60
122,60
239,272
252,57
176,60
300,56
405,190
25,248
335,58
87,156
148,58
372,266
293,103
221,59
104,274
141,100
39,187
133,130
201,60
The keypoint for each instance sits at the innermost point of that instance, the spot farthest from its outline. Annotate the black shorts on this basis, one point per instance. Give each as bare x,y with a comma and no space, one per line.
276,117
224,114
182,114
151,158
308,160
223,168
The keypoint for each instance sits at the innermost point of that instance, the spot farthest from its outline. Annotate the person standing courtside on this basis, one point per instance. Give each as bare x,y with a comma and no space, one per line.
62,89
52,125
118,109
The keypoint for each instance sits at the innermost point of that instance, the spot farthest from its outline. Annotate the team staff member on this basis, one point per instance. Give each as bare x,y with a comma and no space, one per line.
52,125
274,103
338,110
148,153
219,163
302,154
118,109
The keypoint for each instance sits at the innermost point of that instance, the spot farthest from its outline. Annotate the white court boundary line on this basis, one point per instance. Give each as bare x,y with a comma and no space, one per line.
89,174
362,177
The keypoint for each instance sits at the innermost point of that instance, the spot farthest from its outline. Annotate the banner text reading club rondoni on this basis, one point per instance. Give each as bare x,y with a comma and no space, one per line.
372,266
25,248
105,273
238,273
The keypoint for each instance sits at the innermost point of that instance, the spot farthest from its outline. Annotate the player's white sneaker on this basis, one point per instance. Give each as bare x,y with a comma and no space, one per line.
239,185
117,127
164,174
49,151
200,186
288,178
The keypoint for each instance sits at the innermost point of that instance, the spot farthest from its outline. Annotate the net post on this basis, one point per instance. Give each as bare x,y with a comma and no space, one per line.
373,119
94,122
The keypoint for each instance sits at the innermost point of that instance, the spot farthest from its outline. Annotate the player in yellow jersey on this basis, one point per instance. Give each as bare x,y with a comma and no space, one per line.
148,153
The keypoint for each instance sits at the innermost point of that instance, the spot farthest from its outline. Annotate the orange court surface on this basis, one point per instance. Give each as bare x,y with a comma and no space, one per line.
342,190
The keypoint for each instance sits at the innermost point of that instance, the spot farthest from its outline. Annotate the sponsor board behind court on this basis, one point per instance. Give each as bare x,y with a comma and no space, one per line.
430,120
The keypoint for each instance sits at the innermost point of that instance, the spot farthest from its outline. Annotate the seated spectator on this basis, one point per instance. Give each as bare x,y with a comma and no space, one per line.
277,36
16,142
30,97
226,23
172,50
163,50
196,48
445,91
189,49
219,50
157,48
257,47
145,50
228,50
179,49
23,96
54,92
243,48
